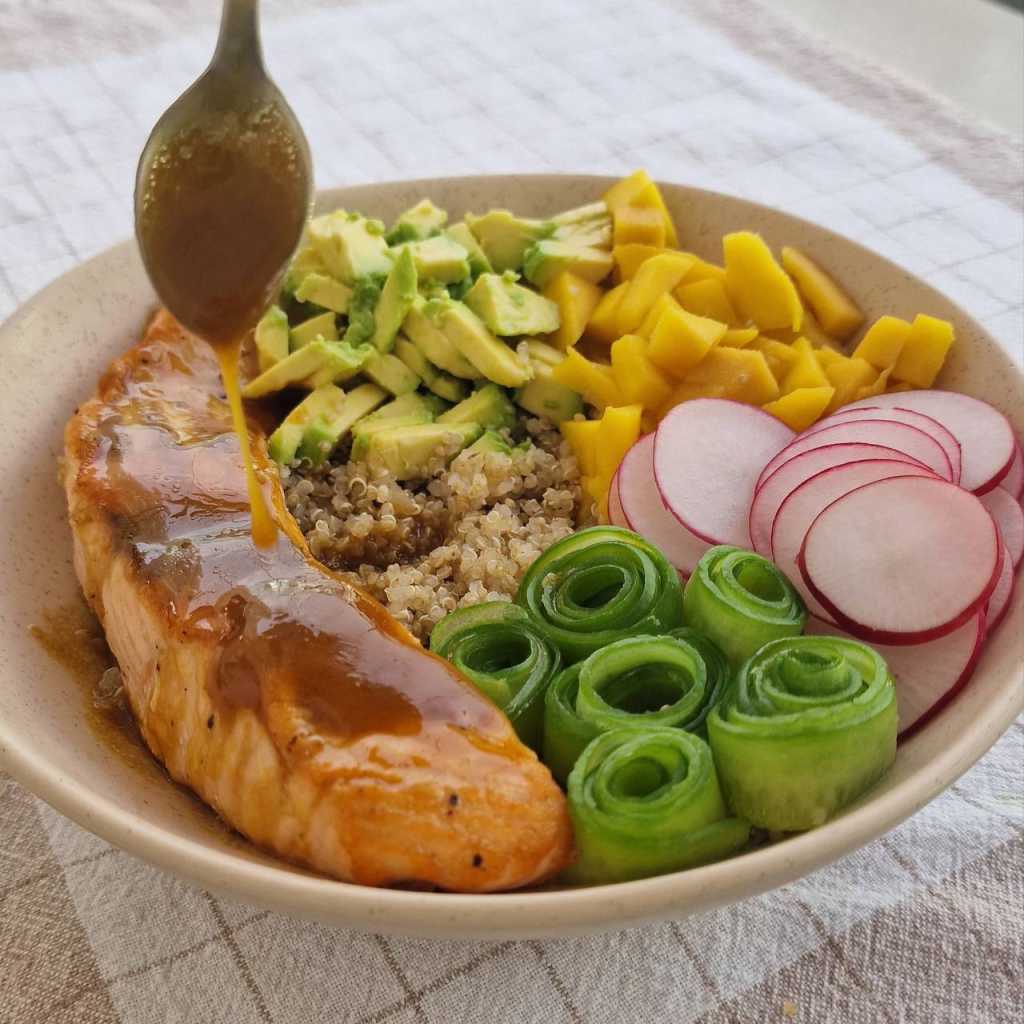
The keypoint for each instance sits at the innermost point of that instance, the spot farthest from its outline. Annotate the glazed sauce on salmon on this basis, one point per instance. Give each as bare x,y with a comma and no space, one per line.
222,209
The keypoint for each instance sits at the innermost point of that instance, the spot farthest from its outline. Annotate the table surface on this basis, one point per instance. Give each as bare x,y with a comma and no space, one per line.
923,925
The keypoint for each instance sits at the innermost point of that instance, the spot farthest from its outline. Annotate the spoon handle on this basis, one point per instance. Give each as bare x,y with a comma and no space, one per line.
238,43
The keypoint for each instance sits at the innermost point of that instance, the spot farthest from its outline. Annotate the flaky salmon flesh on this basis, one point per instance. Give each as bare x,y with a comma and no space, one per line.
290,701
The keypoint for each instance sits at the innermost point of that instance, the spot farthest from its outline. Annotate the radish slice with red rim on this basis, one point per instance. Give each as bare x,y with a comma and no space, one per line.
790,475
987,444
708,453
644,512
930,426
904,438
1014,479
999,602
902,560
806,502
1009,517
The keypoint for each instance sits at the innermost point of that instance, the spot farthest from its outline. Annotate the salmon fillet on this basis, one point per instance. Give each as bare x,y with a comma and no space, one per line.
289,700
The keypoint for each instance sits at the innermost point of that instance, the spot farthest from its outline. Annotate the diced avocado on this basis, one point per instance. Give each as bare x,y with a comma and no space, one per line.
542,352
427,405
438,259
321,326
442,384
546,397
271,338
596,233
306,261
492,357
406,452
478,261
284,442
391,373
396,297
323,433
324,291
368,426
418,222
509,308
459,289
581,214
489,441
342,362
350,246
361,318
299,367
549,258
504,237
489,406
434,343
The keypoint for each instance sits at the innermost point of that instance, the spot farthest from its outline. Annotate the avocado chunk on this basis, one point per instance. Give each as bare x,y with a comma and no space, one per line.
325,292
284,442
370,425
319,362
581,214
390,373
542,352
548,258
547,398
271,336
438,259
504,237
322,435
350,246
442,384
434,344
489,406
426,405
418,222
396,297
342,362
306,261
489,441
320,326
596,233
492,357
478,261
407,452
509,308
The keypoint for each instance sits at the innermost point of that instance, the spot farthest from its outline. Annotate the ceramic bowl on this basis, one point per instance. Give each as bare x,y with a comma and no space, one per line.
53,350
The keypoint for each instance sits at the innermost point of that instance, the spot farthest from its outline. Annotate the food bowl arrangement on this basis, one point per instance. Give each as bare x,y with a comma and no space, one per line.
723,432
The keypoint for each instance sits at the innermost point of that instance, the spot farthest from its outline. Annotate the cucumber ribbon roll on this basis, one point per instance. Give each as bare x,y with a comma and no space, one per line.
741,601
599,585
808,724
634,683
645,802
501,651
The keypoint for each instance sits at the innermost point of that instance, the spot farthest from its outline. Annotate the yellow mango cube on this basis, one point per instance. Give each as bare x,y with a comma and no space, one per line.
837,313
707,298
780,357
741,374
883,342
738,337
577,299
805,372
582,438
704,271
760,289
680,340
649,322
639,380
594,381
601,325
655,277
802,407
848,375
924,351
620,430
628,258
639,190
877,387
637,224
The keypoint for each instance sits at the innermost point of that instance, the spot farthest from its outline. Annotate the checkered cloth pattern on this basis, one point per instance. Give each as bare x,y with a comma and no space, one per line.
921,927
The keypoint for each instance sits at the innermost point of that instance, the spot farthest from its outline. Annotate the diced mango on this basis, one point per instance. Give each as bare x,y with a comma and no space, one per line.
826,356
639,190
655,277
883,342
760,289
649,322
837,313
924,351
737,373
848,375
620,430
577,299
811,330
800,408
875,388
628,258
601,325
680,340
738,337
704,271
780,356
582,438
594,381
637,224
805,372
900,385
639,380
707,298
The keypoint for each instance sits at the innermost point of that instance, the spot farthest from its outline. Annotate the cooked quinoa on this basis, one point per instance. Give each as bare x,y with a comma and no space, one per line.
465,535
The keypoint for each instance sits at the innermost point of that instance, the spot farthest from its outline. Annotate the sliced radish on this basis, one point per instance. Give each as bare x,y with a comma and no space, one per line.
806,502
927,676
986,439
999,602
1009,517
950,445
902,560
707,454
913,442
645,513
615,514
1014,479
790,475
